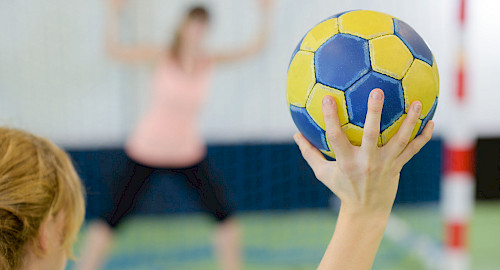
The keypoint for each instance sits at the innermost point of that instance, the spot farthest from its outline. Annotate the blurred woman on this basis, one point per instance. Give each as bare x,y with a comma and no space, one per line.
167,138
41,203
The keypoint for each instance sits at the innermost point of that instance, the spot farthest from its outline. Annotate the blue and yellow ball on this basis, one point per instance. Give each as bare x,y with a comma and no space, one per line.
348,55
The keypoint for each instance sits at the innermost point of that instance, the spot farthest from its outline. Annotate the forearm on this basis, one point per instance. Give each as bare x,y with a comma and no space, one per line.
254,46
263,33
264,26
125,53
112,40
355,241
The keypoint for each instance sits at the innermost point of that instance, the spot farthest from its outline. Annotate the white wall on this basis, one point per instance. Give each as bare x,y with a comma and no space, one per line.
483,47
56,80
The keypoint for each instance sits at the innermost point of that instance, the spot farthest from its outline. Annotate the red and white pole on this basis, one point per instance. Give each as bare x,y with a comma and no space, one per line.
458,201
458,183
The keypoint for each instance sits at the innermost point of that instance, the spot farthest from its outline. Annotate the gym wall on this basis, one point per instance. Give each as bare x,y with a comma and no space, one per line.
56,79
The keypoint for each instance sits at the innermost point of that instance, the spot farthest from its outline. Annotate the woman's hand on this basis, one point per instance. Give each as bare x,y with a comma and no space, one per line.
365,178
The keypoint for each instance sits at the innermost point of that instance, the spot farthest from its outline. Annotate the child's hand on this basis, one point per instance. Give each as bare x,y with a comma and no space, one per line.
365,178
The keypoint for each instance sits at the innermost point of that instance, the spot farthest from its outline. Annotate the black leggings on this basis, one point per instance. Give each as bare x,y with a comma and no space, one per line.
200,178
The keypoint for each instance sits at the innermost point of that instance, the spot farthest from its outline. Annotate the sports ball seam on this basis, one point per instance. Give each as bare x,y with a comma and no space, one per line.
345,95
315,81
410,47
302,50
406,46
341,23
405,96
408,70
404,90
369,64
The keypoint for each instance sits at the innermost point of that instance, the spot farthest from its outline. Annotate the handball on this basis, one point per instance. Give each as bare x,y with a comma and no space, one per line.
347,56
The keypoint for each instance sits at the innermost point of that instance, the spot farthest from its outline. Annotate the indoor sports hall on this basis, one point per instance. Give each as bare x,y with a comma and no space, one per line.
68,72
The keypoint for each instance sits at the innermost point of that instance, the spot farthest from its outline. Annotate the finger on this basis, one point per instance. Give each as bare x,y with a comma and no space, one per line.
334,133
310,153
371,130
400,140
414,147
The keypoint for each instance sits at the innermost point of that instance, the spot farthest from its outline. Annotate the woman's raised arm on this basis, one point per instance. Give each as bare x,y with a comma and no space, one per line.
259,41
365,179
126,53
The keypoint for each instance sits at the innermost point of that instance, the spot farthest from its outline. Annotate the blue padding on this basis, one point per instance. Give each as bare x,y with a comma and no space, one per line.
413,41
313,133
341,61
260,176
100,170
357,98
428,117
420,177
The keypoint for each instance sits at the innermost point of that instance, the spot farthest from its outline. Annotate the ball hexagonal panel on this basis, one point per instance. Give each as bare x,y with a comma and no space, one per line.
313,133
429,116
319,34
436,74
413,41
390,56
347,56
366,24
357,98
355,134
301,79
297,49
315,108
420,84
341,61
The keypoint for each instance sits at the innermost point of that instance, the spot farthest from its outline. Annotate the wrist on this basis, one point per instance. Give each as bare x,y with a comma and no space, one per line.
362,222
356,211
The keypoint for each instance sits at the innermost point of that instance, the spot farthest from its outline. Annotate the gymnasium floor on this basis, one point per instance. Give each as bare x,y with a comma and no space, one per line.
296,240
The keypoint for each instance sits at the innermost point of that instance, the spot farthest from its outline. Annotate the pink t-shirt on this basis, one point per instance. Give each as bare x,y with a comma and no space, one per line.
168,134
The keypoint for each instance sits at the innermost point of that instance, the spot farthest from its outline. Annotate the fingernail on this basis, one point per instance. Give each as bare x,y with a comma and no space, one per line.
327,101
417,107
376,95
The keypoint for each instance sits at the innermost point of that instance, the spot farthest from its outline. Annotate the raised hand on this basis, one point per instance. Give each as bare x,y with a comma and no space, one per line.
365,178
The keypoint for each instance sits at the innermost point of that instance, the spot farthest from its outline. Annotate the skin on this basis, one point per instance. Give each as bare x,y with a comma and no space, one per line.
46,252
365,179
227,235
193,35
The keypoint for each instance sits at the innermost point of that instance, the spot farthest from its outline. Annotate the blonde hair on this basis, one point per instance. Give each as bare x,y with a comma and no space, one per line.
37,180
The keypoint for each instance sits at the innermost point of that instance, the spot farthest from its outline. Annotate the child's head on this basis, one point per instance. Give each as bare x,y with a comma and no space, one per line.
41,201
